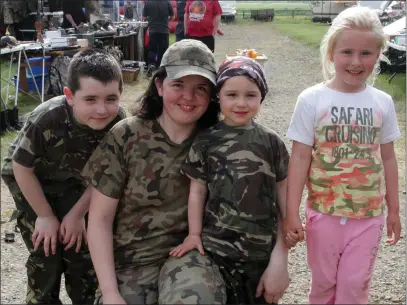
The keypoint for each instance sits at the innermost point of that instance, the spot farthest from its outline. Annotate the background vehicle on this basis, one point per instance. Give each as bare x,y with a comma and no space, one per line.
326,11
228,10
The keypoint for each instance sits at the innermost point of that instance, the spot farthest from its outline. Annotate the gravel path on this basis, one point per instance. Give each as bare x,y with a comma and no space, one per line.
290,69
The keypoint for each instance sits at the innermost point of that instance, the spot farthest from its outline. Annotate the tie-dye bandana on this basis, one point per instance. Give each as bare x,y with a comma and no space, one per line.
242,66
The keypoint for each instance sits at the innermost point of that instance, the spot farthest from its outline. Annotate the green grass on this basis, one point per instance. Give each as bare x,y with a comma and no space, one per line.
26,102
6,139
172,39
272,4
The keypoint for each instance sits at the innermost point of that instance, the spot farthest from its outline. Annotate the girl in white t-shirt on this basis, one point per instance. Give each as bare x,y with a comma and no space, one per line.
343,132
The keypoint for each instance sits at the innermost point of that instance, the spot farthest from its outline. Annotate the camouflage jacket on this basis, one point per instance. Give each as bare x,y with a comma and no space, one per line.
54,144
241,166
138,164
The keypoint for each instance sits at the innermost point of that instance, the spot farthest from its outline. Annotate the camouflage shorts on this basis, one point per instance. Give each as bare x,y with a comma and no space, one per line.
191,279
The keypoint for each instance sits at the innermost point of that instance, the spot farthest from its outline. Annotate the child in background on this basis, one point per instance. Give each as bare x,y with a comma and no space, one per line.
343,132
43,171
242,167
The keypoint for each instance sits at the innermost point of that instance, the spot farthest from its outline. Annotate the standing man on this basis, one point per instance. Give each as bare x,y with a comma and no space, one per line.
157,13
73,13
179,30
202,20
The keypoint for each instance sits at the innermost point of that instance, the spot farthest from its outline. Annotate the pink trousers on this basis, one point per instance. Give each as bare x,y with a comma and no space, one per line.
341,254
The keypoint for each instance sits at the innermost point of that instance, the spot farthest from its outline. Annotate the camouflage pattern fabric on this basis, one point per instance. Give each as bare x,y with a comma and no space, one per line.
54,144
44,273
241,279
137,285
191,279
346,175
189,56
241,166
138,164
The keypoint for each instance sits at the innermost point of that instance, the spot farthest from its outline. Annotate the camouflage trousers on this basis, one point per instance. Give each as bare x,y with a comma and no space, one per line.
241,279
191,279
44,273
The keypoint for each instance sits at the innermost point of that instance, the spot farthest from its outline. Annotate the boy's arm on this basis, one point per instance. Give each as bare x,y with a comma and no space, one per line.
275,279
32,190
196,202
282,197
280,251
82,206
73,228
392,191
46,223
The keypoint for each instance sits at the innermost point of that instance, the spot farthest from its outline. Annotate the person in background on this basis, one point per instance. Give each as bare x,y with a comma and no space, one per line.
179,30
157,13
202,21
73,13
16,16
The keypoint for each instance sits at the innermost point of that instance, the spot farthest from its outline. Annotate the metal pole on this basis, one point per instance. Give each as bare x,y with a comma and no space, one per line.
9,77
43,73
18,77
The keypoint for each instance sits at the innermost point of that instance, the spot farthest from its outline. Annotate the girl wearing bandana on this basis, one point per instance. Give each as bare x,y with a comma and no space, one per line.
238,171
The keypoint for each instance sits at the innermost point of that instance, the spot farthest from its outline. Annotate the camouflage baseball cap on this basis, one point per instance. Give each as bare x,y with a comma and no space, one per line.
189,57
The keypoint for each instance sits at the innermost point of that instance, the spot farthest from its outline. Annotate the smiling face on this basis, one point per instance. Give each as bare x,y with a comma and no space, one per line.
355,54
95,104
240,100
185,99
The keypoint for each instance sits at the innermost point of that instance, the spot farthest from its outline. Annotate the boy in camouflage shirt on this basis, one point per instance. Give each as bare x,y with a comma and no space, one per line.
43,169
238,171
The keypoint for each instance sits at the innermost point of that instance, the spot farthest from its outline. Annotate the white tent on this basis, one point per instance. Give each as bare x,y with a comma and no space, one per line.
396,28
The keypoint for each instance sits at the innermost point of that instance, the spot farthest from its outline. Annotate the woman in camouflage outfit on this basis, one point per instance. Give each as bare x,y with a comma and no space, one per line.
138,210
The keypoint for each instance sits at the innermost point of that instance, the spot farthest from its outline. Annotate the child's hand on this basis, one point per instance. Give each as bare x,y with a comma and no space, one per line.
191,242
73,230
393,227
293,229
46,229
273,283
291,239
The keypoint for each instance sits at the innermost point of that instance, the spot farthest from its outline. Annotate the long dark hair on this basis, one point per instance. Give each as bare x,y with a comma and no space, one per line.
151,104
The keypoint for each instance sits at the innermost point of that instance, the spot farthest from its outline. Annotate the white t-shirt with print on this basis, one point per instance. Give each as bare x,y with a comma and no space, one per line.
346,176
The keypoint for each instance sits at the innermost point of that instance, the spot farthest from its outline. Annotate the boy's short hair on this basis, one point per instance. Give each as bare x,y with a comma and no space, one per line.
96,64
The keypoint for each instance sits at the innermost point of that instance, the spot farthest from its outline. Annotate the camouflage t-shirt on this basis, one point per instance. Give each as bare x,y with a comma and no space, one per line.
346,175
241,167
138,164
55,145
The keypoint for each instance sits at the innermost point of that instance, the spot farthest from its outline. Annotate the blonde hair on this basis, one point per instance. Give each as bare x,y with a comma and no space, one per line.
352,18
